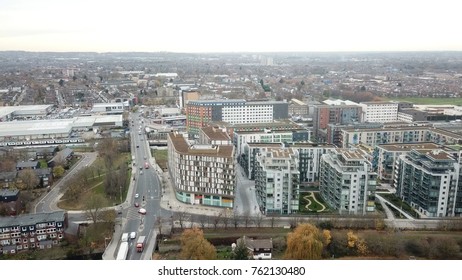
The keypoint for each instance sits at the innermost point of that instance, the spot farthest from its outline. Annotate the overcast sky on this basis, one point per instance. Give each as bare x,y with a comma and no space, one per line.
230,25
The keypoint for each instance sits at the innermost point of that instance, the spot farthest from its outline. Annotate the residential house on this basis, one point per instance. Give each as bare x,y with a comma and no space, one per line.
259,249
27,165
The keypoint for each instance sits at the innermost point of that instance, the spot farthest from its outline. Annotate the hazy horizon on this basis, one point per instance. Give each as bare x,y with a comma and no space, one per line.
206,26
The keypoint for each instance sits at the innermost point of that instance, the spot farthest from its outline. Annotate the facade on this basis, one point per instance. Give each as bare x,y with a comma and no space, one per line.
298,108
342,114
211,135
309,159
347,182
201,112
108,108
248,158
428,179
379,112
32,231
384,157
265,136
277,183
400,134
202,174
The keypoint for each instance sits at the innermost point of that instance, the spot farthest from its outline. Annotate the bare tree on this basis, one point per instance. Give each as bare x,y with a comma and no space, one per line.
258,219
246,219
203,221
235,219
93,207
29,178
181,218
216,220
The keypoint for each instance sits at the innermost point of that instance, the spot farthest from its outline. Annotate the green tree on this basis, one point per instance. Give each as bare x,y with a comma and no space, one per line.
240,252
305,243
58,171
195,247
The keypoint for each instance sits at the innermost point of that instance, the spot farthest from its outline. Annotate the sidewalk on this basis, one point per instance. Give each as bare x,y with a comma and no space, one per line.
169,201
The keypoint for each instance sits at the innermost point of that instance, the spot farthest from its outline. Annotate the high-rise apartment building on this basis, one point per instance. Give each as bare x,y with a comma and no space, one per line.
429,180
347,182
201,174
277,183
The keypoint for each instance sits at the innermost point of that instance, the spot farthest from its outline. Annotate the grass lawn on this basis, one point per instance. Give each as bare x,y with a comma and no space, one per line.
429,101
96,186
161,157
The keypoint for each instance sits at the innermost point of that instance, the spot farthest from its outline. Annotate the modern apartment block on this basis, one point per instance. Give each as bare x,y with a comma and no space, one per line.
200,113
31,231
277,184
347,182
399,134
309,159
429,180
384,157
201,174
335,113
379,111
265,136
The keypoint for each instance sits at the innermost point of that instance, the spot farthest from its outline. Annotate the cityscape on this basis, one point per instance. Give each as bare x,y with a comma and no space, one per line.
144,155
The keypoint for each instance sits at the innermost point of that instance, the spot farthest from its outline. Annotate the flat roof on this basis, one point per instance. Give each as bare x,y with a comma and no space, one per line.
181,146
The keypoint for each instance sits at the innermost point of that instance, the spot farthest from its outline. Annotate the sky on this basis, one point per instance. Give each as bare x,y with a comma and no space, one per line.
230,25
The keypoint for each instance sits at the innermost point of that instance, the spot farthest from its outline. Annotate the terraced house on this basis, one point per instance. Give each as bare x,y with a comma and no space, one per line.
31,231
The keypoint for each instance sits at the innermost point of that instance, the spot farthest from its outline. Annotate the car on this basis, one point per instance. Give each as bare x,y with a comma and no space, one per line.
137,195
132,235
141,172
137,204
142,211
144,157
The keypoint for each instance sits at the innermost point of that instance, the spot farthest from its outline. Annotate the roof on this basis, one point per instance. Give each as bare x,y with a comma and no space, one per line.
32,219
182,147
27,164
9,192
214,133
256,243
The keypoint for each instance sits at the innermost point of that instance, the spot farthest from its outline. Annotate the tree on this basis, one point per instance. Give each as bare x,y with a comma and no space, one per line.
240,252
58,171
93,207
195,247
304,243
29,178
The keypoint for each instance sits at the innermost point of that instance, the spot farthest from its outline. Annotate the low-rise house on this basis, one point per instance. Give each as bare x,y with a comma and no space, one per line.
259,249
27,165
7,195
7,177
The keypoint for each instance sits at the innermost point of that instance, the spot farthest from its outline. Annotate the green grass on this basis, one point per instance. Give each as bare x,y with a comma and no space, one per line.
161,157
429,101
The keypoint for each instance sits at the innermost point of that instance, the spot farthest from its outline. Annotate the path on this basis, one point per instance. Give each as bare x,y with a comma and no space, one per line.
311,195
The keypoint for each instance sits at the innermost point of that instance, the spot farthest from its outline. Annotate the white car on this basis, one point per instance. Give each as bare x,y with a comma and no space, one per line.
142,211
137,195
132,235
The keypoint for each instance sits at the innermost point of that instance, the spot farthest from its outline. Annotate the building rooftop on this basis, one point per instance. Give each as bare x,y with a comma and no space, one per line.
214,133
32,219
182,147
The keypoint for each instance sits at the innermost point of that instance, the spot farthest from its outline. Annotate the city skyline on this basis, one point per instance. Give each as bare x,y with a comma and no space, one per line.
229,26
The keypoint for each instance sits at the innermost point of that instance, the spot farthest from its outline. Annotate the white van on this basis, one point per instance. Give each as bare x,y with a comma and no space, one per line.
124,237
132,235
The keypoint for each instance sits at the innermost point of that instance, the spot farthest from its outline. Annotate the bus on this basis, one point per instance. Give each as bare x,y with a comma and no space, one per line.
123,251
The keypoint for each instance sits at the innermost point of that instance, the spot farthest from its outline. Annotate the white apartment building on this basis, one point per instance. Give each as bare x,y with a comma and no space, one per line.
252,113
347,182
277,183
379,112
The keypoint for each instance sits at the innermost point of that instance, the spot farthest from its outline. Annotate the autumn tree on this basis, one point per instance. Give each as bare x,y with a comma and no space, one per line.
304,243
195,247
354,242
58,171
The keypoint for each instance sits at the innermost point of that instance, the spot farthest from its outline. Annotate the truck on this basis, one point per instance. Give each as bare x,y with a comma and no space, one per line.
140,243
123,251
124,237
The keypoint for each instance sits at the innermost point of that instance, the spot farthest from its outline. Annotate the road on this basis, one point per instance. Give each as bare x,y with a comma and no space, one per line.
245,202
146,185
48,203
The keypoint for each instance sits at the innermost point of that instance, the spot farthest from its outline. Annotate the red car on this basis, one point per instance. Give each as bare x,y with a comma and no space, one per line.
137,204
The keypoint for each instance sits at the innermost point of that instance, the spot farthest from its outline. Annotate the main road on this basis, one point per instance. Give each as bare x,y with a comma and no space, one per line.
146,190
